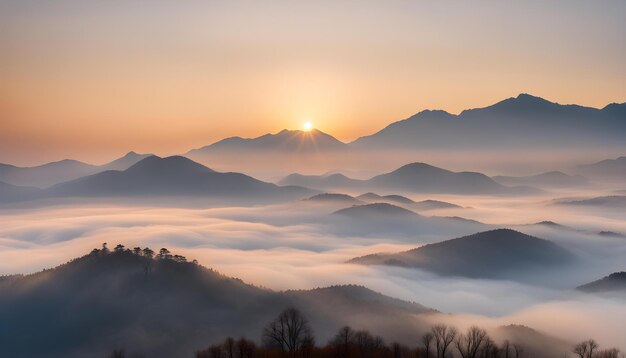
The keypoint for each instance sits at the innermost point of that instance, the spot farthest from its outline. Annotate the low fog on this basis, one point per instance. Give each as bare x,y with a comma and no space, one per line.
302,245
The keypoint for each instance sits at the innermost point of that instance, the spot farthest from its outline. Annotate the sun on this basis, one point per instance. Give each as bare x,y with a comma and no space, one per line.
307,126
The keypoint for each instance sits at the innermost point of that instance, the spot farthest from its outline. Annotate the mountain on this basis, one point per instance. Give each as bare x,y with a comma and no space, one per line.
320,182
384,220
167,307
125,162
9,193
375,211
174,176
414,177
515,123
612,234
549,179
613,201
607,169
56,172
495,254
615,282
333,198
285,141
534,343
435,204
47,174
421,177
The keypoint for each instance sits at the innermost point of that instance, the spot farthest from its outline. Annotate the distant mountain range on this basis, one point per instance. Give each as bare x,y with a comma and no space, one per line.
611,169
414,177
156,177
495,254
169,308
286,141
522,122
376,211
615,282
544,180
612,202
389,220
402,200
56,172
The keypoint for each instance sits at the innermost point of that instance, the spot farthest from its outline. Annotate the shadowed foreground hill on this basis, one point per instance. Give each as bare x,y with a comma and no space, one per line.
166,307
498,254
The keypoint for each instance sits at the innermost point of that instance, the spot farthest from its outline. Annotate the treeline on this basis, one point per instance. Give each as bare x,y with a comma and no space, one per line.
148,253
290,336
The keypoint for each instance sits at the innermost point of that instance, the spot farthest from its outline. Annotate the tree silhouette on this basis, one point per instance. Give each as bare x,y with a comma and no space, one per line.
470,343
290,332
586,349
137,251
147,252
164,254
444,335
342,341
229,347
427,340
117,353
119,248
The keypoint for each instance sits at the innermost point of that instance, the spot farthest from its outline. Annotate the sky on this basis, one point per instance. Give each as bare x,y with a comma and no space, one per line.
92,80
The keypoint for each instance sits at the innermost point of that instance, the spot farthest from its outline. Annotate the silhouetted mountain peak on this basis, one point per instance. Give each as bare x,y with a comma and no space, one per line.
418,167
334,198
179,164
375,209
285,140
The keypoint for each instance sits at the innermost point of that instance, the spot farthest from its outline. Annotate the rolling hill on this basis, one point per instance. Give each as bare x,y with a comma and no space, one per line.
165,307
612,201
56,172
549,179
496,254
414,177
173,176
425,178
615,282
611,169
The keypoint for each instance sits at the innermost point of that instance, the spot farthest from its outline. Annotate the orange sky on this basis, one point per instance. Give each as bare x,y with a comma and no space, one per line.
92,80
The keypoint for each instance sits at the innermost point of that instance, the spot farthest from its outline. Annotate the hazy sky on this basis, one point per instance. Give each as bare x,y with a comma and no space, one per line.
93,79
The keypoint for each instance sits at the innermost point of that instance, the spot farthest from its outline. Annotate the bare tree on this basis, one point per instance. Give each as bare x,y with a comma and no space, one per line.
427,339
118,353
518,350
469,344
586,349
506,349
229,347
609,353
343,340
444,335
290,332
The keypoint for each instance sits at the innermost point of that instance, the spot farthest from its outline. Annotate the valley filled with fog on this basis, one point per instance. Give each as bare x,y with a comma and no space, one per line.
309,242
